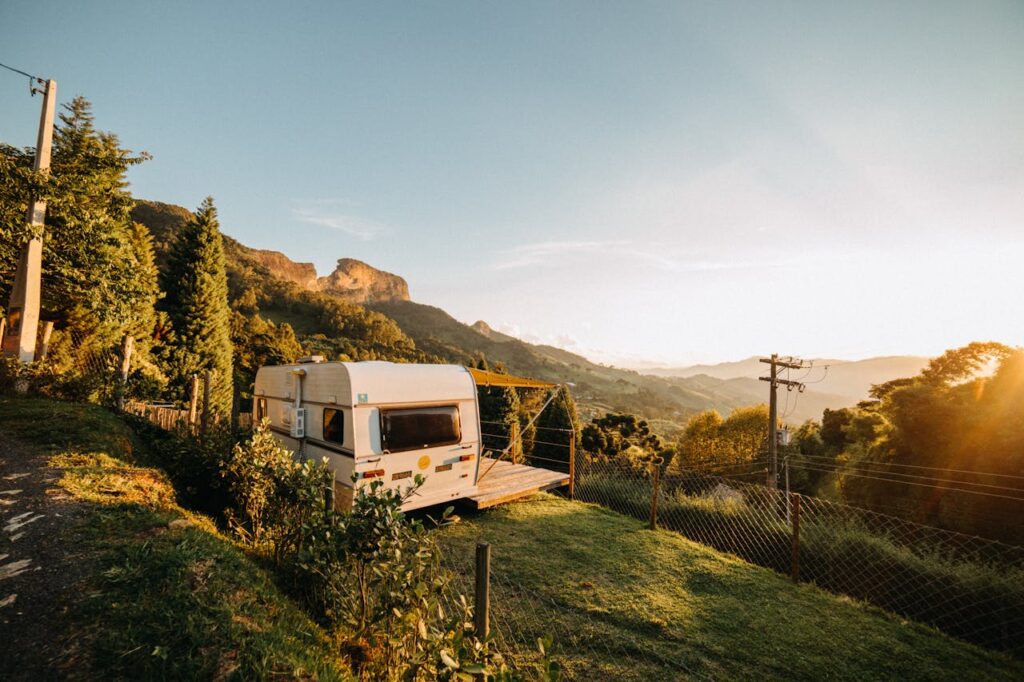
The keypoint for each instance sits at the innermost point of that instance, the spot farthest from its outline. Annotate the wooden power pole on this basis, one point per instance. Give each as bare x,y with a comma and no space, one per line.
773,410
23,310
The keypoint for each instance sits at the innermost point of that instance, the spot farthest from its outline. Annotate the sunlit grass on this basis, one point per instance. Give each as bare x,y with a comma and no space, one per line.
684,602
169,597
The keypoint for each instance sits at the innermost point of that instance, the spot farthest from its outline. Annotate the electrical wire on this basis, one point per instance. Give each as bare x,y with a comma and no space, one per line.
973,472
825,470
23,73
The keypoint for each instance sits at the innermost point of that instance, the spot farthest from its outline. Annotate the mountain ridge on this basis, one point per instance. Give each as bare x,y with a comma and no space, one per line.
667,399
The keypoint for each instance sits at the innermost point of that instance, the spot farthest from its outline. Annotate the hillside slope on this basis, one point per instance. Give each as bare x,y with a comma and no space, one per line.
625,602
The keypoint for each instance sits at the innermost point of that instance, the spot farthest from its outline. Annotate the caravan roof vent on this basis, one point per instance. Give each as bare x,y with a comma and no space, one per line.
310,359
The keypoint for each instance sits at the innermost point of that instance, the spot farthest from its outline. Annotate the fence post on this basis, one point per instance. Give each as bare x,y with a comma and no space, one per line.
654,493
127,346
482,602
3,328
795,563
206,401
513,437
572,463
44,341
193,403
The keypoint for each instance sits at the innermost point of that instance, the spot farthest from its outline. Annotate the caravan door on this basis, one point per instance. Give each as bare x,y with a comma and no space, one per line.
432,441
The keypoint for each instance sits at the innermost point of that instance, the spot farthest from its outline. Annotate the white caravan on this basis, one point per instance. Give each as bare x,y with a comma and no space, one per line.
378,421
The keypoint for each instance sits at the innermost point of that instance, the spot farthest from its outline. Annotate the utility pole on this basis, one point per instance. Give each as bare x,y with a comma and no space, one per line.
773,409
23,309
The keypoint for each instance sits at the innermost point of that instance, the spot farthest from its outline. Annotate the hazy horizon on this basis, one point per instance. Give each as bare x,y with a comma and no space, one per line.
676,183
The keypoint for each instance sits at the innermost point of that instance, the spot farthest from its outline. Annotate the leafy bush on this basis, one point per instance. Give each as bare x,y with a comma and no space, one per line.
374,574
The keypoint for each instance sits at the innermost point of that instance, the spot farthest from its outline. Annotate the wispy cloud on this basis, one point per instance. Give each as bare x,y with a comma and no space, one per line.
326,214
553,252
541,253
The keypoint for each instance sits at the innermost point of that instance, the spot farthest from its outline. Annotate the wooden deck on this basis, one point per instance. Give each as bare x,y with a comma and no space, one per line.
507,481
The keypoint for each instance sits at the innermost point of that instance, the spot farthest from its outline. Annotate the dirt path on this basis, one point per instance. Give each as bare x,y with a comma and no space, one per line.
39,569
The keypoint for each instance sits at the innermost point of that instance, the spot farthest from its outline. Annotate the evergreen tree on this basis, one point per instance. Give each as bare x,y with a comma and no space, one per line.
557,426
197,306
99,281
499,414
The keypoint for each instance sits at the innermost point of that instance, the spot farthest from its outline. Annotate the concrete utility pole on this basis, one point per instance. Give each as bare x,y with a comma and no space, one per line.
23,309
773,410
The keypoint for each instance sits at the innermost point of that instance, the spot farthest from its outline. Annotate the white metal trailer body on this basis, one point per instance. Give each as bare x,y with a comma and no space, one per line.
378,421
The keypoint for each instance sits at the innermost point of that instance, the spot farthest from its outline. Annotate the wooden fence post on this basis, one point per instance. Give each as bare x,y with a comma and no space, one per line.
656,480
193,403
3,329
572,464
44,341
795,562
513,438
127,346
482,602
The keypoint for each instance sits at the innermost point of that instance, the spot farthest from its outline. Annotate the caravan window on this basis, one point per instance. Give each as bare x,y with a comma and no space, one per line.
334,425
419,427
261,410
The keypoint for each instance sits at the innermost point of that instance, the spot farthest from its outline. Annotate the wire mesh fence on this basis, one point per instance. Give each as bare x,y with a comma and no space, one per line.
967,586
586,645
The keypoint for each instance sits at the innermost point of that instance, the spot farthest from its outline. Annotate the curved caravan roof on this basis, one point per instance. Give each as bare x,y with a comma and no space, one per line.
381,383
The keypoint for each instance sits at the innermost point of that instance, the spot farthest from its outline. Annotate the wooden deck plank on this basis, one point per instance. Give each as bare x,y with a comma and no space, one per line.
505,482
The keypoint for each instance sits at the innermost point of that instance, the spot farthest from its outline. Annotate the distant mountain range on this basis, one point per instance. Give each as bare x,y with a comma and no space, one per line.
666,396
848,379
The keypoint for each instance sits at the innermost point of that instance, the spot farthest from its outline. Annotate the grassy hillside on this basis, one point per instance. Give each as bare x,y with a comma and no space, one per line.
638,602
164,594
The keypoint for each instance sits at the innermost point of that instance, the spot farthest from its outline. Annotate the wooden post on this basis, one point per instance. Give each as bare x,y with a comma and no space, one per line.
206,400
44,342
513,438
23,308
127,346
572,463
795,563
3,328
482,603
656,480
193,403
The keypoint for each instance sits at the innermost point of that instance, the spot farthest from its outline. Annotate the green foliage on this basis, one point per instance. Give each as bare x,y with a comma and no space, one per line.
558,425
709,440
258,342
197,306
960,414
98,277
500,412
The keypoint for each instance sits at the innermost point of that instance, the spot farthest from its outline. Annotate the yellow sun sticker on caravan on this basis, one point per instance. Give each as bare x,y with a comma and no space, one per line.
424,463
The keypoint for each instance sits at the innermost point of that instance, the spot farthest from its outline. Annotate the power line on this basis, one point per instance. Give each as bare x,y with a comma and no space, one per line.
825,470
1015,489
23,73
973,472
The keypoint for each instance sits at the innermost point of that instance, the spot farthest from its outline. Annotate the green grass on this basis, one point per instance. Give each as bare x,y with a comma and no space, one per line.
628,602
169,597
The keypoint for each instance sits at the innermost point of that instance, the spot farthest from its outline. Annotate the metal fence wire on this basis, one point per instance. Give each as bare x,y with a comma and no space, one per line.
967,586
585,646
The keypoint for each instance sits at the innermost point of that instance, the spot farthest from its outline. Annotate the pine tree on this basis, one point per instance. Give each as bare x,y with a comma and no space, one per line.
557,426
197,305
499,415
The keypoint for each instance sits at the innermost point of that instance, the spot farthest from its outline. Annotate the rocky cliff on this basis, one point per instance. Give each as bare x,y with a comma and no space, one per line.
357,282
303,274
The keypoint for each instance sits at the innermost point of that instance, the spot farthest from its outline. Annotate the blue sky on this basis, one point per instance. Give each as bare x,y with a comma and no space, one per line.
672,182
